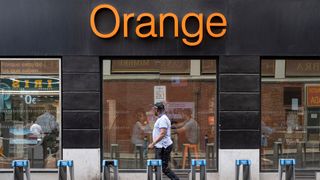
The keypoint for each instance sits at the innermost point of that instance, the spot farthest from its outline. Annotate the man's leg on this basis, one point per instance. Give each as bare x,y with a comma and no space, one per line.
165,163
158,155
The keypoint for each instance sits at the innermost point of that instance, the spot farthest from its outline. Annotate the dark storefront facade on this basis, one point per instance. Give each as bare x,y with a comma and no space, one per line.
78,80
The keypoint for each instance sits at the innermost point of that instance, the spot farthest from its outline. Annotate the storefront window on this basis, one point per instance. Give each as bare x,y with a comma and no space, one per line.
29,111
290,109
131,87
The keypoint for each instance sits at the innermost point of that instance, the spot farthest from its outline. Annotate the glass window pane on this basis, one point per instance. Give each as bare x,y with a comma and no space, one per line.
208,66
30,112
290,110
128,99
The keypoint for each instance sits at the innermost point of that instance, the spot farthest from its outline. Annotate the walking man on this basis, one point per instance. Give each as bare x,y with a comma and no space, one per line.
162,142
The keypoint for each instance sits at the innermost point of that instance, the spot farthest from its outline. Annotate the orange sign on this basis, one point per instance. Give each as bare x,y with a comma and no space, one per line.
215,25
313,96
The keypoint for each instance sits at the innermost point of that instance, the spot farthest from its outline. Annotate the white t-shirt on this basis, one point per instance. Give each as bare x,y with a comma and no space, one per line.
162,122
36,129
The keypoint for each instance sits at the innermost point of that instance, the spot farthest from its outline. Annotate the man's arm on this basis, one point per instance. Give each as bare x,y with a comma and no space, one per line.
179,125
141,126
163,132
185,126
180,130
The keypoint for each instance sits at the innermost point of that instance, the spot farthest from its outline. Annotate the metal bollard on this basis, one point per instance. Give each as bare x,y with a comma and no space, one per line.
107,164
203,172
210,151
115,151
301,153
246,166
287,165
277,151
157,163
19,167
62,169
139,150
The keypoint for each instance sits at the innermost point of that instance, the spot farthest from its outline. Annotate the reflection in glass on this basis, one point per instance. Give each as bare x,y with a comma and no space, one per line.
128,99
29,112
290,117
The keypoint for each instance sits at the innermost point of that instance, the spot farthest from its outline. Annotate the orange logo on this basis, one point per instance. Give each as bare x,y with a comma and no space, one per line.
215,25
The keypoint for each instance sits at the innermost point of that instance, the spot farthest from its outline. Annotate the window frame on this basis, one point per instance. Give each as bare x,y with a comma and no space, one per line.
202,75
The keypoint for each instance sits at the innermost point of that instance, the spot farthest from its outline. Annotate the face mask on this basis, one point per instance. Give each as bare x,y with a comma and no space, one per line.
156,113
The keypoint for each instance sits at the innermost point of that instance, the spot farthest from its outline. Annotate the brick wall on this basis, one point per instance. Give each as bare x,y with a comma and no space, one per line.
273,110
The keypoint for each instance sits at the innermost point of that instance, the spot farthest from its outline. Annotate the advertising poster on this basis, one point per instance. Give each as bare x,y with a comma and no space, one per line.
159,94
313,96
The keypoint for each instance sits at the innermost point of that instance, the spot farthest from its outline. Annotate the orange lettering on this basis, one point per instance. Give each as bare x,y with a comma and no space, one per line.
198,34
216,25
146,24
175,20
222,25
126,18
93,23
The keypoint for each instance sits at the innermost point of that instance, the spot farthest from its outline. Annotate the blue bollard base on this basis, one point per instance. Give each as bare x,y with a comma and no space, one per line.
154,162
243,162
65,163
112,162
198,162
20,163
284,162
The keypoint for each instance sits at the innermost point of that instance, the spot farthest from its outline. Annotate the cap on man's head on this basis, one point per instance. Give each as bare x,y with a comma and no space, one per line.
159,106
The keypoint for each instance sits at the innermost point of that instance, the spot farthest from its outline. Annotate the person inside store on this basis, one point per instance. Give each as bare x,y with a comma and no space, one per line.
189,126
140,132
266,131
162,142
36,131
138,129
50,129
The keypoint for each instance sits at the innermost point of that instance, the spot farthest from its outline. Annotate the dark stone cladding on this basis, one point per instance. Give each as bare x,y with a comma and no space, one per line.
239,102
81,102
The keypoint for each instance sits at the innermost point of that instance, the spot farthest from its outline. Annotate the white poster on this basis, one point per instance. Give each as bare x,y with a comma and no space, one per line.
314,116
294,104
159,94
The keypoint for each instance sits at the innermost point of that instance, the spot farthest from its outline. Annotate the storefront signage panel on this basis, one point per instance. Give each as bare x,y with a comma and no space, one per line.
267,67
208,66
151,66
29,84
29,67
302,68
313,96
215,25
